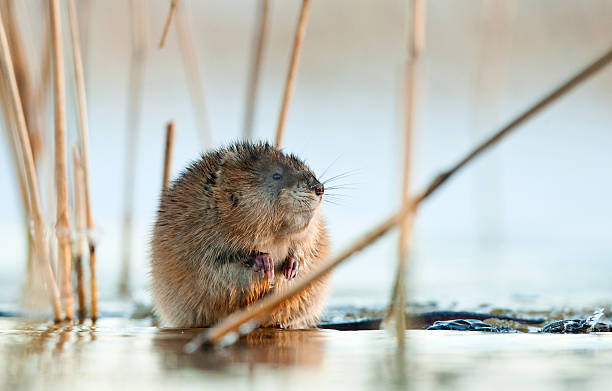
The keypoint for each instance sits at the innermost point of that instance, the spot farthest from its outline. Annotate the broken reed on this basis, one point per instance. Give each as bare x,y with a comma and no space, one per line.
260,38
25,151
168,154
79,76
300,33
243,321
171,12
80,242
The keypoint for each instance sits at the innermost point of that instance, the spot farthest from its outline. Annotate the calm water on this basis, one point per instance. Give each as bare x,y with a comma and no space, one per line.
119,354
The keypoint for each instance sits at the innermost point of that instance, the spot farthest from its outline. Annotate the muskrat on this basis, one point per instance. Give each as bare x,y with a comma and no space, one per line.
237,223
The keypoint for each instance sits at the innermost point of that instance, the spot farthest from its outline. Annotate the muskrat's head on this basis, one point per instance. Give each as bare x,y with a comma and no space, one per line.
267,189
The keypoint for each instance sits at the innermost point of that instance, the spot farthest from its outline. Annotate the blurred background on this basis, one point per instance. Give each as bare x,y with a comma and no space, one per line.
529,224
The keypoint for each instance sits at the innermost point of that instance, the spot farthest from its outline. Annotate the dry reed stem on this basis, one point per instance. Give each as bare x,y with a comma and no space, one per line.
93,288
419,10
84,15
10,124
300,33
15,157
32,112
168,154
80,214
79,75
18,56
62,228
234,322
173,4
136,80
415,47
24,82
494,51
38,225
255,70
194,79
41,94
21,181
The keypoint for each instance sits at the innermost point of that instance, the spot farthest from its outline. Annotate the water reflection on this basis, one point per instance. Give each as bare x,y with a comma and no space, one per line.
274,347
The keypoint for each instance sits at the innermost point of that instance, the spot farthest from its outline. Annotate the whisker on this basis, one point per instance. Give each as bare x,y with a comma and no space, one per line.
336,196
339,176
340,187
328,167
331,202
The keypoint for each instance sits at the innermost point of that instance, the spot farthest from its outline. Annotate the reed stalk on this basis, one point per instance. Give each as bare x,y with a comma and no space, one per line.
33,115
41,94
79,75
194,79
62,227
136,79
173,5
260,38
24,81
30,287
80,242
239,320
12,33
494,44
411,71
300,33
25,150
168,154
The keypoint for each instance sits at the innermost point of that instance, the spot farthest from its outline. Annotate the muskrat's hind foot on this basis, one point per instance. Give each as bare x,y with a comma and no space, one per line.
263,263
291,267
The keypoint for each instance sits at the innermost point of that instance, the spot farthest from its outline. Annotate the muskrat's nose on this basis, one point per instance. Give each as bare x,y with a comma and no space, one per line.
319,189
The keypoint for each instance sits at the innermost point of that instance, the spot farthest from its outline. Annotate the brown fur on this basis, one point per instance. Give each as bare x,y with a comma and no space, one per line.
223,208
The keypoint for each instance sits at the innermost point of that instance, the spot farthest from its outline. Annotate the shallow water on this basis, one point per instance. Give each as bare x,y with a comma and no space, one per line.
119,354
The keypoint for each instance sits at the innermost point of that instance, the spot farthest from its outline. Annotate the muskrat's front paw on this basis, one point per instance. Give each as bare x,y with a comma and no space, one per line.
263,263
291,267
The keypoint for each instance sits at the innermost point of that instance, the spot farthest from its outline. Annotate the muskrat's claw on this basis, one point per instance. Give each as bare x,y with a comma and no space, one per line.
263,262
291,267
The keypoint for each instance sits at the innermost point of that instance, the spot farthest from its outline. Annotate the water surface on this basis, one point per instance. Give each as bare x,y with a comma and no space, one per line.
120,354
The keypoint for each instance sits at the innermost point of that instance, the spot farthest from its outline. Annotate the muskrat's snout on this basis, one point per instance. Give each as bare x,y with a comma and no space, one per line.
318,189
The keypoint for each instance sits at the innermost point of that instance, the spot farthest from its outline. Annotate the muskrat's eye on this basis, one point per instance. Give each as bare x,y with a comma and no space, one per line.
276,176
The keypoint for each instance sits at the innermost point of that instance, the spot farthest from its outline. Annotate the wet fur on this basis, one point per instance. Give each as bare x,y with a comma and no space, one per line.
217,213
